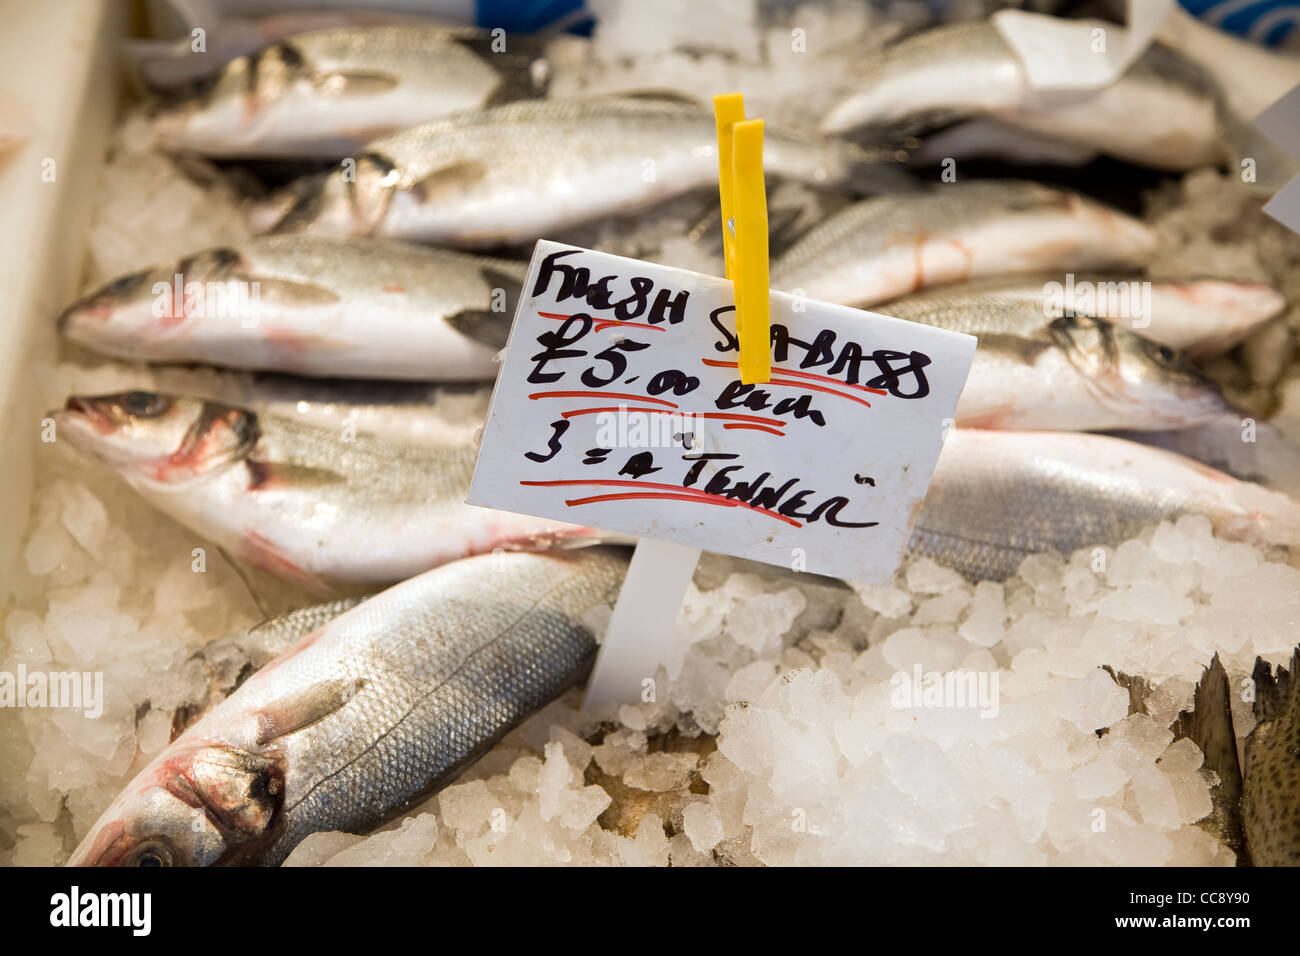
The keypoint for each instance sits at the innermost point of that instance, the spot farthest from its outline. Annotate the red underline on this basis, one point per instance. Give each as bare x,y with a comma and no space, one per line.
759,428
799,374
602,324
677,491
659,411
818,388
583,393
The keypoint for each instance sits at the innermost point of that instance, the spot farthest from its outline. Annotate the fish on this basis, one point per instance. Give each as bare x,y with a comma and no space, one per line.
1270,787
364,308
1073,373
516,172
329,511
160,65
997,497
324,93
368,715
1199,317
422,413
1162,113
888,246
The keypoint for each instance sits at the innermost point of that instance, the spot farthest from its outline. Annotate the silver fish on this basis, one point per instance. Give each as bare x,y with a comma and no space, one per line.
889,246
1161,113
366,716
364,308
160,65
524,170
1200,317
998,497
322,509
327,92
1032,371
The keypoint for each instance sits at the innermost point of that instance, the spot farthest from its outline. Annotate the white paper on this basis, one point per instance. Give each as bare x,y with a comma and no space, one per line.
1060,54
823,469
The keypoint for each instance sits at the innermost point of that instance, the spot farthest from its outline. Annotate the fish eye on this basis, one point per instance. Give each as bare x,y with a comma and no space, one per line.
145,404
152,853
1162,353
124,284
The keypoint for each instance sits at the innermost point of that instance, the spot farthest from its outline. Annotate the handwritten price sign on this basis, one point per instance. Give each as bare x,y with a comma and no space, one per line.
619,406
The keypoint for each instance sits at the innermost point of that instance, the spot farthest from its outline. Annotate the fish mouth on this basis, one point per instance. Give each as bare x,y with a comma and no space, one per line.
89,411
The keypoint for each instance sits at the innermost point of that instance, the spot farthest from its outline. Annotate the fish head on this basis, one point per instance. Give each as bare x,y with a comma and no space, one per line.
141,310
350,202
158,439
195,805
1127,370
231,106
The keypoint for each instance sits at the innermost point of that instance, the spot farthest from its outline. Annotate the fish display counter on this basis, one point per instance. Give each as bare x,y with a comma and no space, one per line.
264,260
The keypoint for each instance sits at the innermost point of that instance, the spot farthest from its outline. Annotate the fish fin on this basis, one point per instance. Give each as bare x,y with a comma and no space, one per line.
350,83
449,179
1209,725
522,65
665,95
491,329
264,474
1273,692
302,708
292,292
487,327
262,552
1139,690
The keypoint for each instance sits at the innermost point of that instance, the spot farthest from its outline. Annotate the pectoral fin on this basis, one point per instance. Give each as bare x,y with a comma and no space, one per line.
354,83
303,708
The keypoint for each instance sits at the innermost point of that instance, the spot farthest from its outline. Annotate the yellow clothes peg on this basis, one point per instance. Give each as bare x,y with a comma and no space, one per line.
743,192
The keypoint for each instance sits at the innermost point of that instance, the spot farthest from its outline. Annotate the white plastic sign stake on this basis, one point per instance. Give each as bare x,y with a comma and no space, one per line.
619,406
1060,54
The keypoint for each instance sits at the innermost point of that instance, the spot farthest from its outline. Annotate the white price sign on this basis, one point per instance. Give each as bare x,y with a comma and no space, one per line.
619,405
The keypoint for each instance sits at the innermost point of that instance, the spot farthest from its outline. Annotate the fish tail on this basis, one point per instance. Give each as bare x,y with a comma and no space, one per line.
1209,725
1273,692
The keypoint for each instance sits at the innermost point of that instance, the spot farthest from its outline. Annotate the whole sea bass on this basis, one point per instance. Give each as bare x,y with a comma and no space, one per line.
323,509
516,172
1161,113
326,92
1200,317
362,308
364,717
997,497
1031,371
888,246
